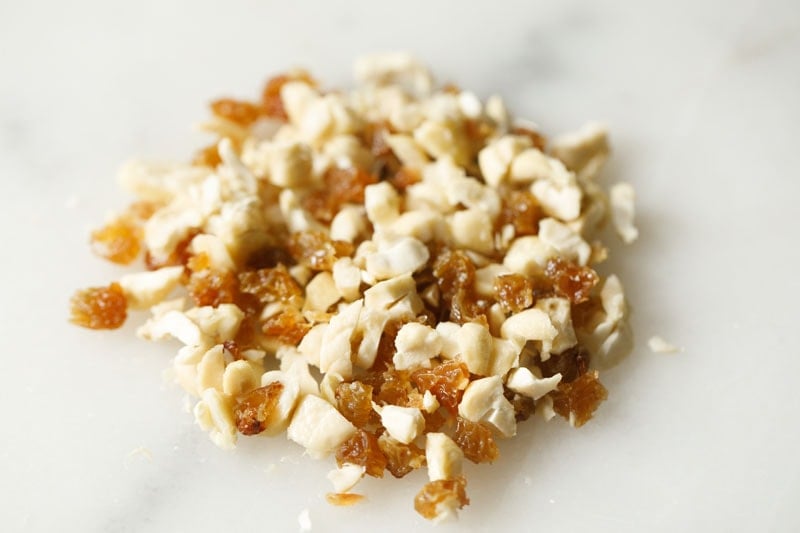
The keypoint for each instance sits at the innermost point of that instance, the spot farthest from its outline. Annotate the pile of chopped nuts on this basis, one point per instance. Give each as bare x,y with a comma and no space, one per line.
396,275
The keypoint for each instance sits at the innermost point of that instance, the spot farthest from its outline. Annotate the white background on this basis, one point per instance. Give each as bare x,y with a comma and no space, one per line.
702,99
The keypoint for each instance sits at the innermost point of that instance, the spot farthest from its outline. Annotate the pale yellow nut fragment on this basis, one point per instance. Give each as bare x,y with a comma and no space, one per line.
174,324
475,347
319,427
528,255
346,151
429,402
336,347
211,368
439,140
483,401
497,111
658,344
407,150
212,246
415,345
444,457
321,293
522,381
449,333
403,424
559,199
528,325
382,203
472,229
558,309
404,256
169,226
505,355
486,276
214,413
583,151
347,278
349,224
563,239
496,158
622,211
346,477
278,419
241,377
159,182
219,323
145,289
296,97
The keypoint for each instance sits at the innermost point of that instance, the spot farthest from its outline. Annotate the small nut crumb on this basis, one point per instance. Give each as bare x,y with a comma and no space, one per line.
657,344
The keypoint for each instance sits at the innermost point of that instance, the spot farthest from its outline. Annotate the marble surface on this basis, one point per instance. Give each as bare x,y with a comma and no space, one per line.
702,101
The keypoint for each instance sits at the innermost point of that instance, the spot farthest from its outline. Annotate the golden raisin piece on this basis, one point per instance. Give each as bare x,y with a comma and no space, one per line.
438,497
570,280
571,364
315,250
514,292
455,276
242,113
446,381
393,386
521,210
355,402
271,285
254,409
344,499
342,186
99,307
209,286
207,157
362,449
118,241
288,326
400,458
577,401
476,441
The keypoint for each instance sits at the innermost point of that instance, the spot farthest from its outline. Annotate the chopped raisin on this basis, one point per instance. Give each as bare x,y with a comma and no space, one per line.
207,157
315,250
476,441
364,450
242,113
571,364
455,276
119,241
570,280
404,178
577,401
254,409
439,495
179,256
99,307
209,286
271,285
400,458
289,326
354,401
446,381
514,292
341,186
521,210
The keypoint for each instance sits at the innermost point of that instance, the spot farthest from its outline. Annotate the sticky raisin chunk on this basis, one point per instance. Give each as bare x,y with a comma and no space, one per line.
99,307
514,292
577,401
289,326
242,113
401,458
118,241
446,381
271,285
438,496
571,280
253,410
354,401
362,449
521,210
476,441
315,250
